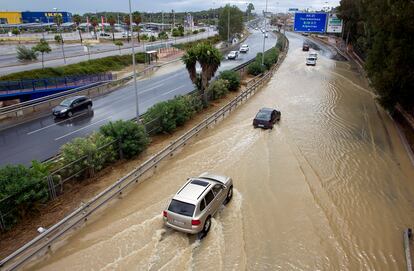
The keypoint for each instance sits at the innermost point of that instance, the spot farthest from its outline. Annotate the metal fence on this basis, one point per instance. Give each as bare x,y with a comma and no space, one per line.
44,241
18,86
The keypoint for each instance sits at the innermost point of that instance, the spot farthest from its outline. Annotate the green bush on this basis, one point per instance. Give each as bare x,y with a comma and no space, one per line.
22,189
218,89
202,30
25,54
144,36
132,136
93,152
100,65
163,35
233,79
195,32
152,39
255,68
170,114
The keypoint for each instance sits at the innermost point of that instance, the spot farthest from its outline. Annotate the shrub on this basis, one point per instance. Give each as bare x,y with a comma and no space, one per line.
202,30
152,38
25,54
132,136
233,79
255,68
163,35
144,37
22,188
93,152
170,114
58,38
218,89
195,32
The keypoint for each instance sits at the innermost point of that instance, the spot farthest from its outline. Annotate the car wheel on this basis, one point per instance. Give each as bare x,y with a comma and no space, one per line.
69,114
207,226
89,107
229,195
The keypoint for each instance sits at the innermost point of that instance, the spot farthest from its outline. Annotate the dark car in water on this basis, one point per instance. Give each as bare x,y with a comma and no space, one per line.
72,105
266,118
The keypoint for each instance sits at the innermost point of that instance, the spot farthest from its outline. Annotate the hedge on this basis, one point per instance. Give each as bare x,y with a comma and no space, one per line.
132,137
233,79
173,113
100,65
184,46
218,89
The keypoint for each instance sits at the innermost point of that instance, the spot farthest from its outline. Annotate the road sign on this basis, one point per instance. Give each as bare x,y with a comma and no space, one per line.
293,9
310,22
334,24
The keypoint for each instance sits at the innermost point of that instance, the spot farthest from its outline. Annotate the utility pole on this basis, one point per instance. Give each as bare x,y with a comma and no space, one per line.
133,62
264,35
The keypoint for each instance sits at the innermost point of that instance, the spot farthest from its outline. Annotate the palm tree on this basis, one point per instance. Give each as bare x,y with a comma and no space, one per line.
128,23
111,20
77,19
136,18
209,59
94,23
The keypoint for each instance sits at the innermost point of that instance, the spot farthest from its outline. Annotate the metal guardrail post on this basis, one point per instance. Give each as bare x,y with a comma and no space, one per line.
51,186
407,235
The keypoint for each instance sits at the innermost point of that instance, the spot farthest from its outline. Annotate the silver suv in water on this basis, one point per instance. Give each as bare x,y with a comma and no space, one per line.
191,209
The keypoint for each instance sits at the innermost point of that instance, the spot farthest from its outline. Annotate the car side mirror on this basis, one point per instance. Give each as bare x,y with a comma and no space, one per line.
224,186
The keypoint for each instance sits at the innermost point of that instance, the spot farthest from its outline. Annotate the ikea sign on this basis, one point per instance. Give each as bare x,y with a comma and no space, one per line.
310,22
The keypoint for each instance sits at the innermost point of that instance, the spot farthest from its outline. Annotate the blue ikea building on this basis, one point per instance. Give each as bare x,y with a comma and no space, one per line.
45,16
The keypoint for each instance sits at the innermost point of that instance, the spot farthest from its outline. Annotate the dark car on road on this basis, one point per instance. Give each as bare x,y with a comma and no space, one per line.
72,105
266,118
305,47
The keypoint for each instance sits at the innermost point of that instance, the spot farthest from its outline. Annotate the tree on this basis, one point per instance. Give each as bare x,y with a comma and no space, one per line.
250,8
42,47
77,19
136,18
94,23
127,21
209,59
236,22
119,44
111,20
25,54
381,32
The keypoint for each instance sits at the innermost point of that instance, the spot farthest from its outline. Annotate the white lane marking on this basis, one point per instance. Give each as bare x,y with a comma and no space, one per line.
71,133
151,88
172,90
53,124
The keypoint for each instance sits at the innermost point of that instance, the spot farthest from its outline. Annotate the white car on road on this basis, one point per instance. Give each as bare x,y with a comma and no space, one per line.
310,61
314,55
244,48
233,55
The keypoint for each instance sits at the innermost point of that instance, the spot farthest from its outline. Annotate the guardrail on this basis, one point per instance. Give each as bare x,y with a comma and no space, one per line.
44,241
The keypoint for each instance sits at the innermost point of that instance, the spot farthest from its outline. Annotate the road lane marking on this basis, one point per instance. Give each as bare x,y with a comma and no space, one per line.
75,131
53,124
172,90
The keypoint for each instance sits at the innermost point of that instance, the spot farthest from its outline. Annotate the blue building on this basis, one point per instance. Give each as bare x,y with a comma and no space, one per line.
45,16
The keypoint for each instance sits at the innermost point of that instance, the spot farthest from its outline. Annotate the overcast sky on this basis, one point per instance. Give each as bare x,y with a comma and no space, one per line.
82,6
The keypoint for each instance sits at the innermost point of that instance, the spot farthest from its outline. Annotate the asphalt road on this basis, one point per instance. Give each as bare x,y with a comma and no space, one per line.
74,54
40,139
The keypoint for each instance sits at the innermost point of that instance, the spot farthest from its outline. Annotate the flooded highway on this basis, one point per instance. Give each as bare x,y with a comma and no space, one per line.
329,188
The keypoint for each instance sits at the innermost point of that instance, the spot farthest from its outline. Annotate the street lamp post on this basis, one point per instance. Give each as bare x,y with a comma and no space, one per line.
264,35
133,62
60,33
228,25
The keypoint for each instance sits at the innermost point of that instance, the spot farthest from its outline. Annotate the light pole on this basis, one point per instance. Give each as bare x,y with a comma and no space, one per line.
60,32
264,35
133,62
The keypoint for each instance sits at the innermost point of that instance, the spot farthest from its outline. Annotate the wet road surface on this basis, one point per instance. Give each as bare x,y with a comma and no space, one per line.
41,138
329,188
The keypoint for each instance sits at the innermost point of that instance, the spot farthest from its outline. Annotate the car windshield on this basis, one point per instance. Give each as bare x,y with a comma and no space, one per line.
66,103
263,115
181,208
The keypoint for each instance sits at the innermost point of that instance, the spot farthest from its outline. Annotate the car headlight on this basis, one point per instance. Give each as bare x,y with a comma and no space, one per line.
63,110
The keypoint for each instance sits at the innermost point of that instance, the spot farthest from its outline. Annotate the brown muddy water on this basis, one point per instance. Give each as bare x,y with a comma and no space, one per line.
329,188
